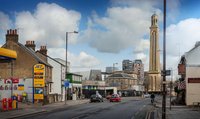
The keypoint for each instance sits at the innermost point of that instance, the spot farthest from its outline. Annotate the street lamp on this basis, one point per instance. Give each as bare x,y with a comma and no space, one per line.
164,64
66,59
171,89
114,66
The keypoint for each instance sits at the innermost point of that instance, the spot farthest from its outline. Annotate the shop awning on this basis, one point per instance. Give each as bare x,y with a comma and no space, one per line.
6,54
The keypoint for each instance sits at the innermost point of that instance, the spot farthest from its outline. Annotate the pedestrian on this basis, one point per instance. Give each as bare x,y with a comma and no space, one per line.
152,98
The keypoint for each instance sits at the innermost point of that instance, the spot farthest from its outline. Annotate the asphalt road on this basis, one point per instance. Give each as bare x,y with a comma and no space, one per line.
128,108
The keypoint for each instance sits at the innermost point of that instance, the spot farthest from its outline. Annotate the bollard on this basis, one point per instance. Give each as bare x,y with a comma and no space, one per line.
14,102
9,103
4,104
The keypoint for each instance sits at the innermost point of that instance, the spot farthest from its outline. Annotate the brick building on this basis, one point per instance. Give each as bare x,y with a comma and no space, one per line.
23,67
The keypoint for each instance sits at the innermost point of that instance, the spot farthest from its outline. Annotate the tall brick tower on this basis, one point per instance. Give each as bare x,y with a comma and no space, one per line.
154,78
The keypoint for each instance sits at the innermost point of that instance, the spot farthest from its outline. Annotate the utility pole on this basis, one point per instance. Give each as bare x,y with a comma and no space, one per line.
66,62
12,66
164,64
170,106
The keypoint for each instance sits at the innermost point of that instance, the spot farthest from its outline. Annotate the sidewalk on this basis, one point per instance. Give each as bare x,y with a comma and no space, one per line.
176,112
31,109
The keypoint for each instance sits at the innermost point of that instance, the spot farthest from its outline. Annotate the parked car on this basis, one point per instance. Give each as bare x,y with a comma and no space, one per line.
147,95
115,98
96,98
108,97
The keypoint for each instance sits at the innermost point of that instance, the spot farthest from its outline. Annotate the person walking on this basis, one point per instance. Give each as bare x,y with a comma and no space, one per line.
152,98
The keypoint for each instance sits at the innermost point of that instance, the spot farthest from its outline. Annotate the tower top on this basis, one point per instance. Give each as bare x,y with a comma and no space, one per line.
154,20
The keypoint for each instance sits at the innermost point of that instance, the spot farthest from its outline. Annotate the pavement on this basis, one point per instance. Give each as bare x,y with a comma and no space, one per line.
176,112
33,109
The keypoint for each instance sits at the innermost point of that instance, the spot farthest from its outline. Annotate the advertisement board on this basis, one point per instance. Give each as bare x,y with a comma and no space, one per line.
39,75
39,81
20,87
38,93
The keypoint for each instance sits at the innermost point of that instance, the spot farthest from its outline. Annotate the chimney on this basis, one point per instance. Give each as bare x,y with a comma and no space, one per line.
12,35
30,44
43,50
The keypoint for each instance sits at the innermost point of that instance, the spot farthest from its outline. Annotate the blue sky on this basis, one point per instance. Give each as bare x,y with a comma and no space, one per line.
109,30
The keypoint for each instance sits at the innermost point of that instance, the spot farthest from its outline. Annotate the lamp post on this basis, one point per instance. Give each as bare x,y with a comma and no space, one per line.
171,89
66,60
11,78
114,66
164,64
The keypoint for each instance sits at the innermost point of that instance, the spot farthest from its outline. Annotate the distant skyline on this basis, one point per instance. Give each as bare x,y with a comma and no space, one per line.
109,30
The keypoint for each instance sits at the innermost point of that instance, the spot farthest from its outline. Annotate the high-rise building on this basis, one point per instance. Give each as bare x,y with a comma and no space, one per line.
111,69
138,68
127,65
95,75
154,60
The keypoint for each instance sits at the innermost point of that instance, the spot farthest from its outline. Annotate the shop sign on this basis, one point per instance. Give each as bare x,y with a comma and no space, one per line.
14,80
39,75
38,95
193,80
8,87
21,87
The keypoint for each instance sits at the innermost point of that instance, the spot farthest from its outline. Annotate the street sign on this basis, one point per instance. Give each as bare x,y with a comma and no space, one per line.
166,73
39,75
66,83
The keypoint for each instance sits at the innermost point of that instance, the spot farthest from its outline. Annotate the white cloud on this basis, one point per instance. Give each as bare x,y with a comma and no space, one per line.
78,62
83,60
121,28
5,24
5,21
181,37
48,24
142,46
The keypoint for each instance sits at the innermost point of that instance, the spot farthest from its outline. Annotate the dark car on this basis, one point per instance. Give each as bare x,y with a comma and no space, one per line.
96,98
115,98
108,97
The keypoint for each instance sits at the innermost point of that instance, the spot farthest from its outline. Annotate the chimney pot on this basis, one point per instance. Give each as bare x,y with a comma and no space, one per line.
15,31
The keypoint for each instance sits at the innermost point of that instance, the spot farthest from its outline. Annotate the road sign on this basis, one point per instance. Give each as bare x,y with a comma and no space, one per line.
39,75
66,83
166,73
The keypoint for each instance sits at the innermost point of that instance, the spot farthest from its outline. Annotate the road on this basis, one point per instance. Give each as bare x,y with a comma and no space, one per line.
128,108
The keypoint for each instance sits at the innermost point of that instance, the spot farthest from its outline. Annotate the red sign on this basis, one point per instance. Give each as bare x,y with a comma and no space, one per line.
193,80
15,80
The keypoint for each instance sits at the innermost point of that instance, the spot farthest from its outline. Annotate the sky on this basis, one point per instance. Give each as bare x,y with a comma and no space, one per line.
109,31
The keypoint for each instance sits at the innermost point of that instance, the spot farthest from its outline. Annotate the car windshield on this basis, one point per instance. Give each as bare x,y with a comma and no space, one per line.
93,96
114,96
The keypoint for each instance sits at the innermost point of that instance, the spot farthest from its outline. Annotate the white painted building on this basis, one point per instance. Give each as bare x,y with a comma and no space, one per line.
189,69
58,76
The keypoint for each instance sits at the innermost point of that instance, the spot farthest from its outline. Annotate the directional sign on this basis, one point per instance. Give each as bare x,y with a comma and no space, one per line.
66,83
166,72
